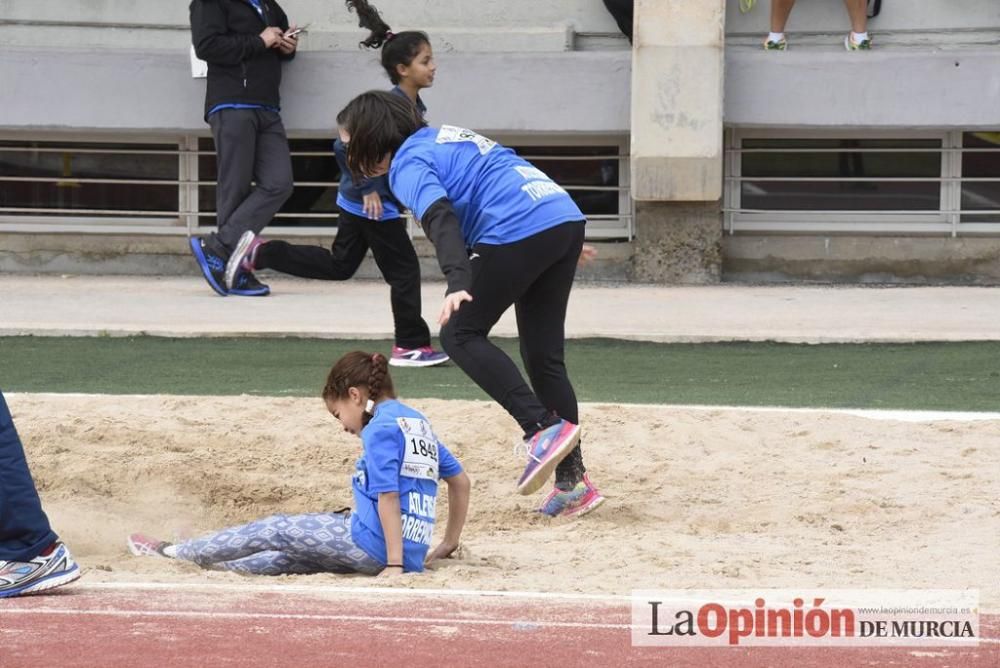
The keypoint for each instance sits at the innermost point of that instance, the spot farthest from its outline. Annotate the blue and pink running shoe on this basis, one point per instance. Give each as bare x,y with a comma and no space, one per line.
545,450
423,356
578,501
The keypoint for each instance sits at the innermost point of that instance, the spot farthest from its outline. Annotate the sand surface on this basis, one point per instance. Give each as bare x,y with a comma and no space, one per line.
707,499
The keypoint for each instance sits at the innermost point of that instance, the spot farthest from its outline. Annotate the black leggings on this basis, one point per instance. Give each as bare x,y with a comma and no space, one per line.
393,252
535,275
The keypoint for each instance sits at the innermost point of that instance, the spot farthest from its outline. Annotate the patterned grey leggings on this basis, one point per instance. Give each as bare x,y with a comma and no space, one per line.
282,544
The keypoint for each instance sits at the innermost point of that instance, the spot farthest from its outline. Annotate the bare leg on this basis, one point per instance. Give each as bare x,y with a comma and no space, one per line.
858,11
780,9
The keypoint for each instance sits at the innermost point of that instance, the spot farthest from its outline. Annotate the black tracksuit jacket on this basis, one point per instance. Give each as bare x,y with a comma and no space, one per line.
241,70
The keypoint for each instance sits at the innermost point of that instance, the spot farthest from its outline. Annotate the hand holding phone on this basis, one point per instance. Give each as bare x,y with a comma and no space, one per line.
296,31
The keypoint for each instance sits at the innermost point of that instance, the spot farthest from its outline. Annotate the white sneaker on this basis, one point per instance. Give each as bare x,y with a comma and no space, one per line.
18,578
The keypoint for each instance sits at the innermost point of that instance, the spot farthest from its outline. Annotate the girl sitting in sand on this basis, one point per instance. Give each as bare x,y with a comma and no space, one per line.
395,492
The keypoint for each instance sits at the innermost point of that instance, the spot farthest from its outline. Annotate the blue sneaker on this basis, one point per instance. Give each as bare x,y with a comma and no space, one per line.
47,571
545,450
213,267
424,356
247,285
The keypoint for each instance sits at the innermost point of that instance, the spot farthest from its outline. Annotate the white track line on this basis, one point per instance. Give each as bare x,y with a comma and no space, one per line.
871,414
214,614
239,588
338,589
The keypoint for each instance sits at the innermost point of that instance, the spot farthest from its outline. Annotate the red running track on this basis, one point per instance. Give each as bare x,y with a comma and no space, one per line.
273,626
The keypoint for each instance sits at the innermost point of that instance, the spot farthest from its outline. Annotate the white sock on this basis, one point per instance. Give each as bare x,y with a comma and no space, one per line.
858,37
170,551
775,36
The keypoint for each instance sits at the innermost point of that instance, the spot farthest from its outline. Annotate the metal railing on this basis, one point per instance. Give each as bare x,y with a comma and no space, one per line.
948,217
187,218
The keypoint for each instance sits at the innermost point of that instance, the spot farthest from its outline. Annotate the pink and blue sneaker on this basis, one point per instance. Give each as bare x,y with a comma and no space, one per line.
142,545
424,356
578,501
545,450
243,258
238,277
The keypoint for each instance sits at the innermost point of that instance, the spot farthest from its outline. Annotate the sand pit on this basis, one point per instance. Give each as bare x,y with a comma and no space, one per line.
695,498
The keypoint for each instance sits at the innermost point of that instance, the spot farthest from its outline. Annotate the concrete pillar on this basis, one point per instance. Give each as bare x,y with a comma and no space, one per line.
677,150
677,84
677,242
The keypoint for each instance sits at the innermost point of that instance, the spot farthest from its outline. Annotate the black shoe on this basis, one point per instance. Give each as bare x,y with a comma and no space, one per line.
212,265
247,285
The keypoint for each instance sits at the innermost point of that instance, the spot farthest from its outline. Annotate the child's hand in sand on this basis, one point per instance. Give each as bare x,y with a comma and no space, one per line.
442,551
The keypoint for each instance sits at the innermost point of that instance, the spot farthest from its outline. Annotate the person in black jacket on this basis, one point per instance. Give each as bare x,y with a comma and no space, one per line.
244,43
622,11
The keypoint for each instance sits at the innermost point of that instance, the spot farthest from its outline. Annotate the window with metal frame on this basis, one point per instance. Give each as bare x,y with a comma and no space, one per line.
49,181
901,182
160,185
312,203
980,195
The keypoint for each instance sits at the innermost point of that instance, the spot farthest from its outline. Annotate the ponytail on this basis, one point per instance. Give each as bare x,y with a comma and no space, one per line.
397,48
370,19
377,376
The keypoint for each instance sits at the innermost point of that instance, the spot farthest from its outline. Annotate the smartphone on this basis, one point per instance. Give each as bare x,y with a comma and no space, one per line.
297,31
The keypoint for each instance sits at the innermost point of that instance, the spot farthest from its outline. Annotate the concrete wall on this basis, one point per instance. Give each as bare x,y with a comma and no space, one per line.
170,256
677,242
135,91
111,64
522,67
510,25
882,89
862,259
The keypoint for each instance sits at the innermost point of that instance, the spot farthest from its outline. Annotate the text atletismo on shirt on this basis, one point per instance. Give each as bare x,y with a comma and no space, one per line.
401,454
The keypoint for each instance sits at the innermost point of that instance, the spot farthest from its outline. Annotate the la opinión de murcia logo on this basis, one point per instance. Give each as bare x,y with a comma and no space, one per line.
800,621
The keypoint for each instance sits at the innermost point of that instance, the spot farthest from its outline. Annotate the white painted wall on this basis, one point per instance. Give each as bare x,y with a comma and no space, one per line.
507,66
493,25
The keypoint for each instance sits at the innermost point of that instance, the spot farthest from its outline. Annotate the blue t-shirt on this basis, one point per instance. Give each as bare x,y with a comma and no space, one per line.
350,195
401,454
499,197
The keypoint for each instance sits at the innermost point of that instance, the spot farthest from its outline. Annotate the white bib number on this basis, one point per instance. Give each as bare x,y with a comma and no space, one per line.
420,452
449,134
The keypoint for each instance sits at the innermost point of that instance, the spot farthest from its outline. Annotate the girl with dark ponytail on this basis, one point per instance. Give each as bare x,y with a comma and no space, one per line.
407,56
395,492
370,216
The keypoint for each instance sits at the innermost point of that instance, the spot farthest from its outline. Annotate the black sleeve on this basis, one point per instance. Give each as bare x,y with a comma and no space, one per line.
441,226
212,40
283,24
